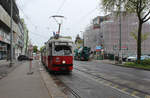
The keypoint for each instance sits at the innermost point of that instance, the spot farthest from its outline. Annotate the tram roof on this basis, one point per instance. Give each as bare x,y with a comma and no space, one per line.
61,39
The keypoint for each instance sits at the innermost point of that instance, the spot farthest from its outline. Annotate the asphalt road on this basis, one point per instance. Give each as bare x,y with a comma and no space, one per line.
97,80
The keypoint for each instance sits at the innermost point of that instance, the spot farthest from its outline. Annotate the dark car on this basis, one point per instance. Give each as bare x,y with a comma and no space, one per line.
23,57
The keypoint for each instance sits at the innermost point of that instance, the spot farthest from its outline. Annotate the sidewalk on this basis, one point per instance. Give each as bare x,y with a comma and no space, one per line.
5,69
18,84
4,62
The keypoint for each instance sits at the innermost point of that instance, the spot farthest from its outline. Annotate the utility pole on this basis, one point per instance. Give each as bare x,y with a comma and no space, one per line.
11,34
120,51
27,40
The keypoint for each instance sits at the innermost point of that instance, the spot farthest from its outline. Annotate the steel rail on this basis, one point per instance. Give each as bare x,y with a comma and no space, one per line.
100,77
73,92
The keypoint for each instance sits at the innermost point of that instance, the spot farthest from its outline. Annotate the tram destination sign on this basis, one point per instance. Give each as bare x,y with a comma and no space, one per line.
62,43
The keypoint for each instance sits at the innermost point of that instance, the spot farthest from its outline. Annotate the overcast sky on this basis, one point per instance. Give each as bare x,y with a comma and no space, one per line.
78,15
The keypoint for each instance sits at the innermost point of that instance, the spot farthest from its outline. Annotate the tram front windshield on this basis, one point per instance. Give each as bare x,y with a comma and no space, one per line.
62,50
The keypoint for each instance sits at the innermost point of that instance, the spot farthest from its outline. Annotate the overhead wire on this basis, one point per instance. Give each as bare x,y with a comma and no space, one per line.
28,18
61,6
35,26
59,9
87,14
39,35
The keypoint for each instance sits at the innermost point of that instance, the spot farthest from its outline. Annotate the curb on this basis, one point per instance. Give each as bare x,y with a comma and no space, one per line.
125,66
131,67
52,88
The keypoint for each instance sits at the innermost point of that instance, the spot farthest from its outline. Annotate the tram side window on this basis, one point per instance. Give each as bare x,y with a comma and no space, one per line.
50,48
63,50
50,45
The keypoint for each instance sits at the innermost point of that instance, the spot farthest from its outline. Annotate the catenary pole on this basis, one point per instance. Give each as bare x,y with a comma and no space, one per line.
120,52
11,34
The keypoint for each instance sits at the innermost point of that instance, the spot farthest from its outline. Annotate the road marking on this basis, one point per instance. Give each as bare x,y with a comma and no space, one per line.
112,85
134,93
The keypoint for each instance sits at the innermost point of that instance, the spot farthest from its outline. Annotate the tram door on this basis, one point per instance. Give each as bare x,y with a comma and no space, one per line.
50,54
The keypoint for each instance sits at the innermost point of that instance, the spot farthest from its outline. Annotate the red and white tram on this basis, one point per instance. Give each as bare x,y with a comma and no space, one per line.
57,54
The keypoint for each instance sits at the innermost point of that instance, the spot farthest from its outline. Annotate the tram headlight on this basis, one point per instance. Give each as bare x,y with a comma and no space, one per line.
63,62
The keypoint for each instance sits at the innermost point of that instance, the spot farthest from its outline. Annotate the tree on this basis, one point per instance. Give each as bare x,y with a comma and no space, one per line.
35,49
42,48
140,7
77,38
143,36
78,41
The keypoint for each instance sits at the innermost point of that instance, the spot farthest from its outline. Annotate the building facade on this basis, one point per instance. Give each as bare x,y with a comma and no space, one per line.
18,34
26,38
108,34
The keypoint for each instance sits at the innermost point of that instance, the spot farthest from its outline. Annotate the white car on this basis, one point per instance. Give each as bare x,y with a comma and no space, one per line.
132,58
144,57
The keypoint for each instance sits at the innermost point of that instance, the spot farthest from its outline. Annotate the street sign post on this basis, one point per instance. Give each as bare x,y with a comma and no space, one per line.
30,58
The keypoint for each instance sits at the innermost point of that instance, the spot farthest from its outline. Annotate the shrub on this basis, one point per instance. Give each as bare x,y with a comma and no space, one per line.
145,62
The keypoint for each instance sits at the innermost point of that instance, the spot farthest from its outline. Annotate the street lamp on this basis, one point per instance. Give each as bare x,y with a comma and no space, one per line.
11,35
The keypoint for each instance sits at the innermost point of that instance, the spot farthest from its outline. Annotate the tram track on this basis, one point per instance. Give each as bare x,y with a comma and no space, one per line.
66,89
110,82
61,85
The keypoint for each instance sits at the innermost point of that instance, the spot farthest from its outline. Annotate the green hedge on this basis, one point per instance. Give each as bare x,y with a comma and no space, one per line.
145,62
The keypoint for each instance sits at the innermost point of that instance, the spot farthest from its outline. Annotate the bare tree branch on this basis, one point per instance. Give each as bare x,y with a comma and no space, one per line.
146,15
132,1
146,19
142,8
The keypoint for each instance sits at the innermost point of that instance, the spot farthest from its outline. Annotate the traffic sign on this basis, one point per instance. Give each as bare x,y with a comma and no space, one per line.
98,47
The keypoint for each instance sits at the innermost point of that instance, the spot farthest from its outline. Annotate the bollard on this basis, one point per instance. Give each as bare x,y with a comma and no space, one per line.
30,67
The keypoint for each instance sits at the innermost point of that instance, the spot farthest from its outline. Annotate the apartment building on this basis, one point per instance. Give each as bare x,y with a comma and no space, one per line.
107,34
18,34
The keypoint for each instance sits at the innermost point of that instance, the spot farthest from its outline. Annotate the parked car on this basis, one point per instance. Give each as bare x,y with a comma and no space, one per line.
134,58
124,58
23,57
143,57
131,58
